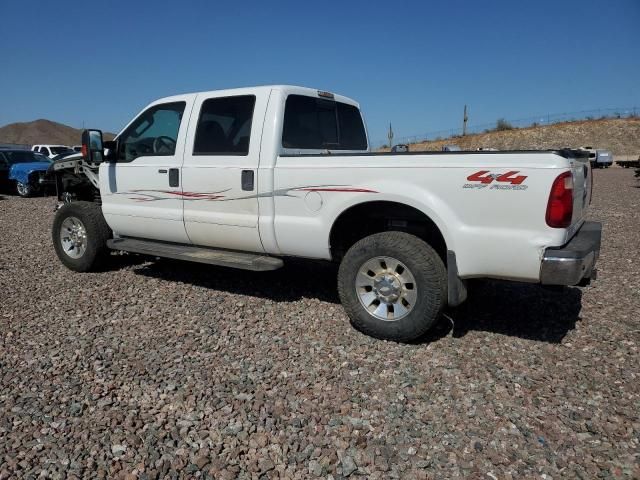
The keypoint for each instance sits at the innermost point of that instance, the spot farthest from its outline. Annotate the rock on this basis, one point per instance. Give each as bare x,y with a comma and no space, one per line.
201,461
315,468
118,449
348,466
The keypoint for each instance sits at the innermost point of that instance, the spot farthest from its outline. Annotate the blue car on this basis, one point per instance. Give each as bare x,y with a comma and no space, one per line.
24,170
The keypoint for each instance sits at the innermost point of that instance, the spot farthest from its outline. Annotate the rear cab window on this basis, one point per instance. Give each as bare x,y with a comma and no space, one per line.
322,124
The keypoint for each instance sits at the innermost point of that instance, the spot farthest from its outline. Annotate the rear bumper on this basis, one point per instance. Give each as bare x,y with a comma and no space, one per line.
574,262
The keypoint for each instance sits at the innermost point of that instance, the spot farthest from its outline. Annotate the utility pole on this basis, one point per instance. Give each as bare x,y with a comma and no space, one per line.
464,122
390,135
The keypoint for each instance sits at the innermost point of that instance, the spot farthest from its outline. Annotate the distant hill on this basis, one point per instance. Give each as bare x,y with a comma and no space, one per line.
620,135
42,131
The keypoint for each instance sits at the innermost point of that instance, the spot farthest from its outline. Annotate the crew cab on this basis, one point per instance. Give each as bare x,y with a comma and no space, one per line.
249,177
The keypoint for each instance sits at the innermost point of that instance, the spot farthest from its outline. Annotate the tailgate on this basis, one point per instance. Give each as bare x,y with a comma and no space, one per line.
582,182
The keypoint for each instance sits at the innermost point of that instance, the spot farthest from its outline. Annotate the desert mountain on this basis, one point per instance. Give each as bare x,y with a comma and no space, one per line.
42,131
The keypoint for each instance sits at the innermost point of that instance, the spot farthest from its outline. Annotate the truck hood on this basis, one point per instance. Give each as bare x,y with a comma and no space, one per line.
21,171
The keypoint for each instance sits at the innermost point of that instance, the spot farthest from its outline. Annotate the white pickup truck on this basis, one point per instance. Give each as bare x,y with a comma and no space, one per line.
248,177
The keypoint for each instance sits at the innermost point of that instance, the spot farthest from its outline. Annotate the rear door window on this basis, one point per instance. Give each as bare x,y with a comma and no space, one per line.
318,124
224,126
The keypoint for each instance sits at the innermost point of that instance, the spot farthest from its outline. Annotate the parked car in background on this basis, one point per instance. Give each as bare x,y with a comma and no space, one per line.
51,150
604,159
400,148
77,148
25,171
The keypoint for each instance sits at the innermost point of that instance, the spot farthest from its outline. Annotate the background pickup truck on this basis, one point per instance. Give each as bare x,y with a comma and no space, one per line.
248,177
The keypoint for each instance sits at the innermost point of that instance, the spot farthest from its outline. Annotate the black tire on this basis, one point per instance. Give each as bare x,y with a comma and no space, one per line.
97,234
425,265
24,189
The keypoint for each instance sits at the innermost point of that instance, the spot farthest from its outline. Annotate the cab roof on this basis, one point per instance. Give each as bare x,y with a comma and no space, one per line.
286,89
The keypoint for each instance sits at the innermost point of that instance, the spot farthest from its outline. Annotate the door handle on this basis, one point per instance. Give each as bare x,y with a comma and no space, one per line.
162,170
247,180
174,177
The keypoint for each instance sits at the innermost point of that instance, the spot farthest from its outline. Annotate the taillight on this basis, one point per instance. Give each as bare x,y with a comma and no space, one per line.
560,206
85,151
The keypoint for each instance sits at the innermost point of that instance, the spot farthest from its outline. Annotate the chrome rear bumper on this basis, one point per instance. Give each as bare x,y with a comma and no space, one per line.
574,262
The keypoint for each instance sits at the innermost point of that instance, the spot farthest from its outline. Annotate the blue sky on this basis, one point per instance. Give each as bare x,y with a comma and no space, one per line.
414,64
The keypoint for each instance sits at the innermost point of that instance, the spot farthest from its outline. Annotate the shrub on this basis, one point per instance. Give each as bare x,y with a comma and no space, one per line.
502,124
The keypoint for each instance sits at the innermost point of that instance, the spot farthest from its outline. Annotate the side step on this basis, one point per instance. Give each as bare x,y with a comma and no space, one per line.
223,258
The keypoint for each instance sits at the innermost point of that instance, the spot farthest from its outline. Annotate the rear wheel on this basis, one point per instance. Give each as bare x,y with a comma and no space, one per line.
392,285
80,235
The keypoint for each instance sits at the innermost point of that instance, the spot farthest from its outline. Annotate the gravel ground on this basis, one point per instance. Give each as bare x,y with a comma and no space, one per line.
166,369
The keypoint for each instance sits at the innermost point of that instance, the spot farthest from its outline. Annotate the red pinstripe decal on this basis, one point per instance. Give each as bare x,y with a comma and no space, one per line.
329,189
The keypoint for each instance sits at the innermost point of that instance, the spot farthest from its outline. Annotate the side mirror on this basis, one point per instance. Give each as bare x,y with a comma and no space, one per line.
110,150
92,148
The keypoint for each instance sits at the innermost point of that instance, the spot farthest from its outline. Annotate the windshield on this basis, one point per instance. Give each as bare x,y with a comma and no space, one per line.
59,150
25,157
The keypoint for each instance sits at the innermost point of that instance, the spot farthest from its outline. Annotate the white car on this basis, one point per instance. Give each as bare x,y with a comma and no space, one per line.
51,150
249,177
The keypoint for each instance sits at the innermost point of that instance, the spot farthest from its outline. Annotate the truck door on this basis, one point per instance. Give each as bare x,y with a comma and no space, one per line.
142,191
220,171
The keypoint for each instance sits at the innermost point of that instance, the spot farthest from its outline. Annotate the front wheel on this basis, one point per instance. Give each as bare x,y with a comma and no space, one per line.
393,286
24,189
80,235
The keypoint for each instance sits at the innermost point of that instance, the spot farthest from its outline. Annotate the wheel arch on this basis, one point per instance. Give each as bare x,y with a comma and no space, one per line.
377,215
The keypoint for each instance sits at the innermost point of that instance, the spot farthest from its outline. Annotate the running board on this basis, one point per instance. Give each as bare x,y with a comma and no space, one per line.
222,258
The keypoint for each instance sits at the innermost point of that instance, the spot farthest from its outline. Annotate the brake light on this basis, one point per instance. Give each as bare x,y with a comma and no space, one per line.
85,151
560,206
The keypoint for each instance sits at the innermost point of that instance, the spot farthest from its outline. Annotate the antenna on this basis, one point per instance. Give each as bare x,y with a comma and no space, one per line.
390,135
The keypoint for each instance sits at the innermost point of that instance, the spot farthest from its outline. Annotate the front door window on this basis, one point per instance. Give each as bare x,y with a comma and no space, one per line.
153,133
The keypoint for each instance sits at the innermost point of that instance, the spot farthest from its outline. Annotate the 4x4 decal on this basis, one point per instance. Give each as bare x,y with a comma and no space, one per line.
503,181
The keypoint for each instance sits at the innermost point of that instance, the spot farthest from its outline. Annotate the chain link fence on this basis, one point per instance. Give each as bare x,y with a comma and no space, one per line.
534,121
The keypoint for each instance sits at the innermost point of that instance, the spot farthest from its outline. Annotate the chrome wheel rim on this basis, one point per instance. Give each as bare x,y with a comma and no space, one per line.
22,188
73,237
386,288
